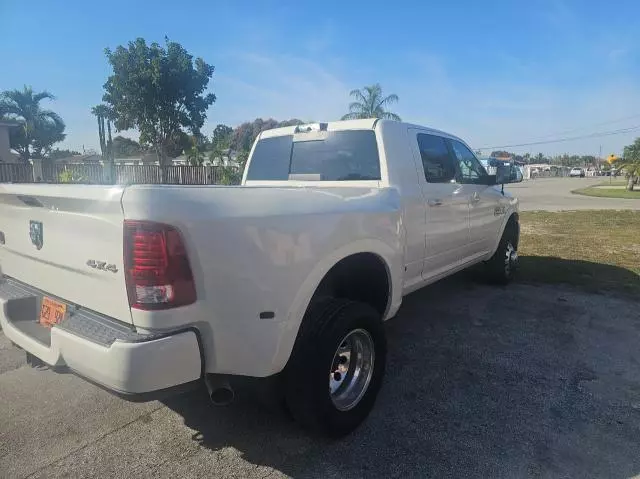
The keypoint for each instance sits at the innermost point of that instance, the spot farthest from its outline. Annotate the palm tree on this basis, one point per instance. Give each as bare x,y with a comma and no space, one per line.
44,127
630,162
370,103
195,153
104,112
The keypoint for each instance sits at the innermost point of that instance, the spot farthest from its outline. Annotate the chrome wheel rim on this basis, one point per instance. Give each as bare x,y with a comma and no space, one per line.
511,258
351,369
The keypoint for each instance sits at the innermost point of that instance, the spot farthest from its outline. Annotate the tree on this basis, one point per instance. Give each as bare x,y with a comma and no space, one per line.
48,134
370,103
58,154
221,138
588,160
220,142
196,152
177,143
102,113
125,147
105,112
159,91
501,154
245,135
630,162
292,122
40,129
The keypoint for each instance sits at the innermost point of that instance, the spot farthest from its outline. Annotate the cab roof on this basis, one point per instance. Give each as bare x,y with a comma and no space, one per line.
365,124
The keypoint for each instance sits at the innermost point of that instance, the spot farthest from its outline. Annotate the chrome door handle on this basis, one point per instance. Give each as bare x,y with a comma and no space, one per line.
475,198
434,202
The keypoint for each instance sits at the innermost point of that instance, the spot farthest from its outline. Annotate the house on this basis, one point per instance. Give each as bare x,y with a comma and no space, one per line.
6,155
88,158
228,157
144,159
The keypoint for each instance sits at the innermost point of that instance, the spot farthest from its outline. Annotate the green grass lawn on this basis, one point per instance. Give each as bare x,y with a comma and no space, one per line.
609,192
613,182
597,250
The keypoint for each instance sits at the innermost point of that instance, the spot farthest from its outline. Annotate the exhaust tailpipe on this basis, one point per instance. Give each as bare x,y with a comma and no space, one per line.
220,391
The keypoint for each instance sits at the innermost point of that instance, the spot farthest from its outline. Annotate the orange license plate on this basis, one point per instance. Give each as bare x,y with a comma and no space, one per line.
51,312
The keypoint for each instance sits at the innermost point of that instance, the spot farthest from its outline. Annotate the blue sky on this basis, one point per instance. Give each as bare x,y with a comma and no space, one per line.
494,72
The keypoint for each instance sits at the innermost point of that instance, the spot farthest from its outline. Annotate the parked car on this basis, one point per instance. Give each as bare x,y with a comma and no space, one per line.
283,281
576,172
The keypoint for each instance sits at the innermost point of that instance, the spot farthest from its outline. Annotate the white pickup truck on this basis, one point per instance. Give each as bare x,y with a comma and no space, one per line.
152,289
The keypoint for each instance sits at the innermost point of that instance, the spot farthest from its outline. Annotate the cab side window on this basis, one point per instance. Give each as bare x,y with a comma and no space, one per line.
436,160
470,170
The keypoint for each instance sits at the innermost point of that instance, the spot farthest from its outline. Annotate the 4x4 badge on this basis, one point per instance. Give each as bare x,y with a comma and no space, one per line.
36,233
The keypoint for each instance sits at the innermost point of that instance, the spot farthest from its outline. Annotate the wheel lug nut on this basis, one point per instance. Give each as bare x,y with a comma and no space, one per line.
343,359
337,376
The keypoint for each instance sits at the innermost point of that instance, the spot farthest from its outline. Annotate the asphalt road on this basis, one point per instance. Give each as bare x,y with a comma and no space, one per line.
484,382
554,194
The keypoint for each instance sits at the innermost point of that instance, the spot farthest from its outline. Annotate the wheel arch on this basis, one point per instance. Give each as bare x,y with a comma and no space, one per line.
363,277
369,252
512,219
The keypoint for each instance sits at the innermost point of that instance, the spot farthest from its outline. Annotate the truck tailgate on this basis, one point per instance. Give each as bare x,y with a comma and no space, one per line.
66,240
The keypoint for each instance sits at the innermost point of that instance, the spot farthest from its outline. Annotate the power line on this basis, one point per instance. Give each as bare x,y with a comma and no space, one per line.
560,140
563,132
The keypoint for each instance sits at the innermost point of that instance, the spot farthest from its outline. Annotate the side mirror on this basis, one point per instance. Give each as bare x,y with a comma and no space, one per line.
508,173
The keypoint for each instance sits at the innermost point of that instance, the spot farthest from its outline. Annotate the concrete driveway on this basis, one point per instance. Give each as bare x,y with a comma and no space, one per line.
554,194
481,382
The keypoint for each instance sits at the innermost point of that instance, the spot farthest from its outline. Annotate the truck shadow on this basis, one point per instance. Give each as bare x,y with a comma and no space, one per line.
480,381
592,277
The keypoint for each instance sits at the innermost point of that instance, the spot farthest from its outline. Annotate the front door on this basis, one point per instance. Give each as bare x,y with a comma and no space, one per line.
485,218
447,212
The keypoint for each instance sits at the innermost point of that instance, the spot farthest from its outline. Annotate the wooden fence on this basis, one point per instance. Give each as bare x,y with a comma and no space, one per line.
96,174
15,173
87,173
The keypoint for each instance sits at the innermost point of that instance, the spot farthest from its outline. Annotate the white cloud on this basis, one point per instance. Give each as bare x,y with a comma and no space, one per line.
278,86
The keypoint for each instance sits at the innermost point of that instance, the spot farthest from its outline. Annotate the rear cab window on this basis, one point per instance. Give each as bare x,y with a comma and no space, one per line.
344,155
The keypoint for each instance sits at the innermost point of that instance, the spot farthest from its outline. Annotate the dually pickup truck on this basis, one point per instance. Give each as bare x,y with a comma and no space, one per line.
147,290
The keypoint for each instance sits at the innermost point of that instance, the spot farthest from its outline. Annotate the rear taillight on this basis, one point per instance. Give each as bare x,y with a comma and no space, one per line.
157,268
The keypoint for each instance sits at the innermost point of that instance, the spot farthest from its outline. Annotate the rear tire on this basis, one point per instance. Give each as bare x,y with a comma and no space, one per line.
502,266
336,367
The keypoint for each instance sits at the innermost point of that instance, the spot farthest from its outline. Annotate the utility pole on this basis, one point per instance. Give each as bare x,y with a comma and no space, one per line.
599,158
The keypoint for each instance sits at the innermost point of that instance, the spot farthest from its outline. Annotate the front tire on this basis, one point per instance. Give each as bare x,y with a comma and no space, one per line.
336,367
501,268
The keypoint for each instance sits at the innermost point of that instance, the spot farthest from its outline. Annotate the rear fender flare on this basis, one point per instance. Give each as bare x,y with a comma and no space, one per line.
393,262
